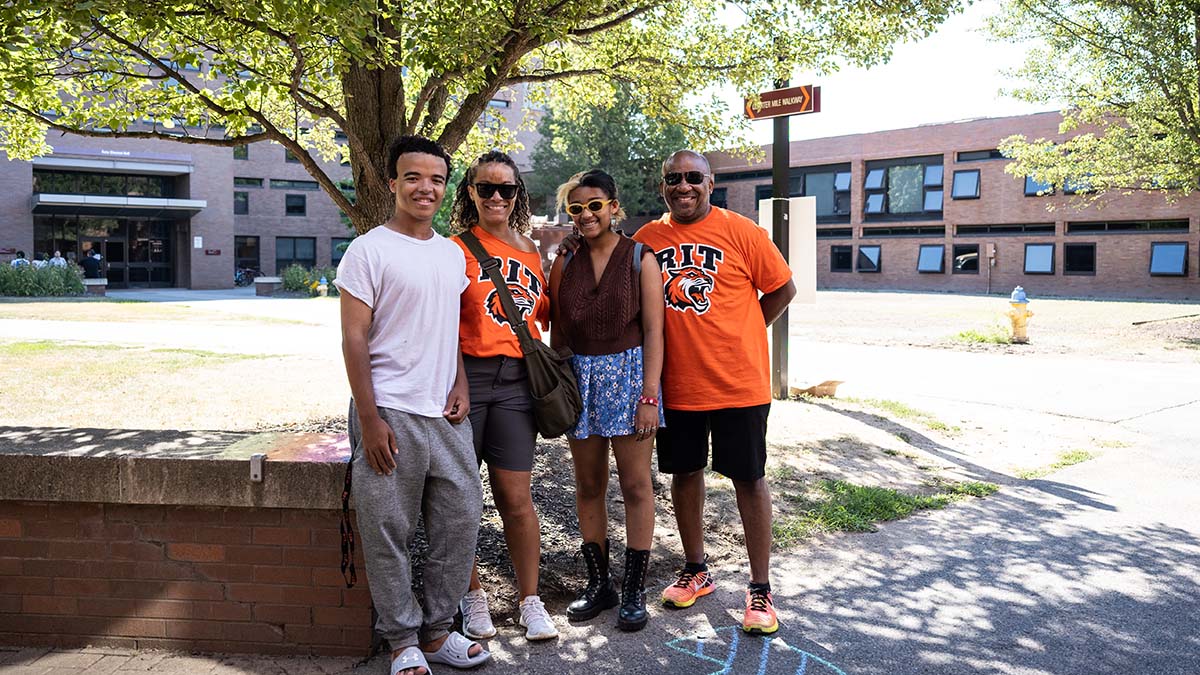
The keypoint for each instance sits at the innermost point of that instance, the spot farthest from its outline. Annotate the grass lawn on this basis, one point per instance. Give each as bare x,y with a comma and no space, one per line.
108,386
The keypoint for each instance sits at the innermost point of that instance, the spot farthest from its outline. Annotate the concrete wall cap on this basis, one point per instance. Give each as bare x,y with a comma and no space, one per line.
195,468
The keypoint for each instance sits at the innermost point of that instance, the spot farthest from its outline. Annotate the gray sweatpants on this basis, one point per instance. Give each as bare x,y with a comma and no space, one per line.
436,475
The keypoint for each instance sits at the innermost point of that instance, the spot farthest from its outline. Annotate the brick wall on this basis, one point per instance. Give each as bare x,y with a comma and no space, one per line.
178,577
1122,260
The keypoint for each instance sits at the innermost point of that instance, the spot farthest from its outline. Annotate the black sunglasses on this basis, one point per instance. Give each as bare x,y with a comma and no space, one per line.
486,190
692,177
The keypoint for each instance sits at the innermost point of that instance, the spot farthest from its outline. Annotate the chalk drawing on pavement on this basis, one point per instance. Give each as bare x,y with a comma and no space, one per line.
809,664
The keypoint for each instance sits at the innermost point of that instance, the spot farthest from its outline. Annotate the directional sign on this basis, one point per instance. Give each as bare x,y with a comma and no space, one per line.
782,102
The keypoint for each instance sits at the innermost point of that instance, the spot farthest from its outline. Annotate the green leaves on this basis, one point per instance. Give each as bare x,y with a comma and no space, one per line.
298,71
1128,74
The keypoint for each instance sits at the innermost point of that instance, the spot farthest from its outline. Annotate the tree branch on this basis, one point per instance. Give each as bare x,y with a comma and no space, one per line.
226,142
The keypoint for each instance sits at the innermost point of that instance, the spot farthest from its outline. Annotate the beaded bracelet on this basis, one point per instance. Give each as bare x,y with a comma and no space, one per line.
648,400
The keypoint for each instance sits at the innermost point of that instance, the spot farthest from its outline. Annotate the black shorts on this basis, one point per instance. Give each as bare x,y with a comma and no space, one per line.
739,441
501,412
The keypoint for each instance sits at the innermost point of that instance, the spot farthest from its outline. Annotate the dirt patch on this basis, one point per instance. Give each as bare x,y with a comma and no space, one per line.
809,441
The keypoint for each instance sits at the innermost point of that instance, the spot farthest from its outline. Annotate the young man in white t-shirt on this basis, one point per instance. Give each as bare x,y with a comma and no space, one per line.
412,443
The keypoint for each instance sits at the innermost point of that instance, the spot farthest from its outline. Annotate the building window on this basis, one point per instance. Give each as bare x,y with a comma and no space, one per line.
979,155
902,189
241,203
761,192
289,156
835,233
841,258
1034,188
295,205
869,258
1039,258
1014,229
1149,226
832,190
295,251
719,197
247,182
1074,187
499,103
283,184
938,231
966,259
245,252
966,185
1079,258
108,184
337,248
241,151
931,259
1168,259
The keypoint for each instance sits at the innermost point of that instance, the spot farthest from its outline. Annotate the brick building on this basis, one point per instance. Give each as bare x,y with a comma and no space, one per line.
931,209
165,214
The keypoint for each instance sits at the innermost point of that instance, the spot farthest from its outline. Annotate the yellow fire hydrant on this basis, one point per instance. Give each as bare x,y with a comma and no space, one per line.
1019,314
323,287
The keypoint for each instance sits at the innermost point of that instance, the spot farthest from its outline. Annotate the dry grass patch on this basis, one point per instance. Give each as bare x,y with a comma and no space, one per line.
48,384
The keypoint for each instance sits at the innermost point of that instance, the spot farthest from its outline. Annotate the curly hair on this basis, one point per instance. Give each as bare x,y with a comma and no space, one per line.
463,213
593,178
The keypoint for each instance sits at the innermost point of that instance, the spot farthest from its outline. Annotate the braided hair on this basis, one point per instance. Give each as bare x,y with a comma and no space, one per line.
463,213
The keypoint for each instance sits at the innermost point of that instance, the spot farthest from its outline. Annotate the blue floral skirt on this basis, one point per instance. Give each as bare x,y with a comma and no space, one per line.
610,386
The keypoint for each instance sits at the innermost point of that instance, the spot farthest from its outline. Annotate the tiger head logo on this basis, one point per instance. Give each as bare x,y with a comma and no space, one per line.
688,288
521,298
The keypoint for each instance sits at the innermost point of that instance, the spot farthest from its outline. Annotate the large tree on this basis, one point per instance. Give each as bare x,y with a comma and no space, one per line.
304,72
618,138
1128,72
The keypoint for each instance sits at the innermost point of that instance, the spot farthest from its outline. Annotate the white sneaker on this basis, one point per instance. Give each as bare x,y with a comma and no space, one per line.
536,621
477,618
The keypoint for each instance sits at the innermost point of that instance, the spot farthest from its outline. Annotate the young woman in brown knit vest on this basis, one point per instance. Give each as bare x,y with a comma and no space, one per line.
607,306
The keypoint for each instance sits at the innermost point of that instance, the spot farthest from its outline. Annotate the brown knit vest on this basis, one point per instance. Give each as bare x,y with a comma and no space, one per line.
604,318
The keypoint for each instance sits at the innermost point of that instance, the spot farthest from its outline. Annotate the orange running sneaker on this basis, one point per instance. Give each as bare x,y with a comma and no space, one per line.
760,616
691,585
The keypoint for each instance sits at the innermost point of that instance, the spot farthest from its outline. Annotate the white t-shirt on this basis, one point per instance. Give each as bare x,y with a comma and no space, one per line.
413,287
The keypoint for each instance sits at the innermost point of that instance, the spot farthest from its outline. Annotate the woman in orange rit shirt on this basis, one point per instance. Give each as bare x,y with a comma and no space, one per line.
491,202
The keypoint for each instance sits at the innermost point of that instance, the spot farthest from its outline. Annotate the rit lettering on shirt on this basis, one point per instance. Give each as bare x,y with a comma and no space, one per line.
691,274
524,286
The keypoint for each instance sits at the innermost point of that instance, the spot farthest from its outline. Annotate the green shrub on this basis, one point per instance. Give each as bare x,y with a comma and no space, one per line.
295,278
303,280
27,281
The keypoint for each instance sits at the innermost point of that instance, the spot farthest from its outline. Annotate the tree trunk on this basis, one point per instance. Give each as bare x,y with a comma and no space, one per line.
375,116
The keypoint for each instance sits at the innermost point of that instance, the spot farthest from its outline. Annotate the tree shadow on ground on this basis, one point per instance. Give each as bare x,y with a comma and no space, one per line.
957,458
69,442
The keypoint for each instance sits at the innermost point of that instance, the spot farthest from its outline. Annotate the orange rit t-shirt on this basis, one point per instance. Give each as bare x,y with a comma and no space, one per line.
715,351
483,327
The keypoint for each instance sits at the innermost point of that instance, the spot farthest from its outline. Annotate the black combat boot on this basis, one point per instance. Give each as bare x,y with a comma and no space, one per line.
632,615
600,594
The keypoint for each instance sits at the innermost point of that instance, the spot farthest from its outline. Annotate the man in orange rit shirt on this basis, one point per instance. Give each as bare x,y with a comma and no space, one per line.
716,372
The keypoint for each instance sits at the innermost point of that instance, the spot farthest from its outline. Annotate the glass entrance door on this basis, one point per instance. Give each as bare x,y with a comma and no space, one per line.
112,257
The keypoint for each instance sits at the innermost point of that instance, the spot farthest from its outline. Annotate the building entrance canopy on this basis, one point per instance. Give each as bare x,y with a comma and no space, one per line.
115,207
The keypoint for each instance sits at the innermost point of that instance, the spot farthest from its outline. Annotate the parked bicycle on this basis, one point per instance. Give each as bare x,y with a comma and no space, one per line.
244,276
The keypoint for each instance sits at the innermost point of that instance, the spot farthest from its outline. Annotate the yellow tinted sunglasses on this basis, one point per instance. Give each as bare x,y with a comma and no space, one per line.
576,208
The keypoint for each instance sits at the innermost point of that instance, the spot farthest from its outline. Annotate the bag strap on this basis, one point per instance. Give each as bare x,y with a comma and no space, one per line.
639,250
491,266
347,531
